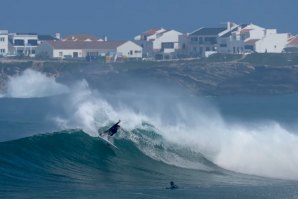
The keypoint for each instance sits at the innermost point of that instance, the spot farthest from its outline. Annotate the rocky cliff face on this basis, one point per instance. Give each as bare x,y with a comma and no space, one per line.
223,78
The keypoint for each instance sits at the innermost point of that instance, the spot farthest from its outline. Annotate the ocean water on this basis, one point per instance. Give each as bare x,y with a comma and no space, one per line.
211,147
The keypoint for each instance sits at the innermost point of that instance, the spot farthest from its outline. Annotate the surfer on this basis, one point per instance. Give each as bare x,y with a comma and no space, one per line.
172,186
114,129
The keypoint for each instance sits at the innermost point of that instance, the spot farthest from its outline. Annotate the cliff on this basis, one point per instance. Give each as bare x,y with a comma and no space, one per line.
232,77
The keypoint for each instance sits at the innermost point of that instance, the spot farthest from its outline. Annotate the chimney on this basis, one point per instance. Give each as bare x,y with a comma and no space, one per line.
57,35
229,25
105,38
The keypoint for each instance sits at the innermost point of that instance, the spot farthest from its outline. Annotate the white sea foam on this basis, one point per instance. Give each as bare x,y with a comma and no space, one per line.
267,149
30,84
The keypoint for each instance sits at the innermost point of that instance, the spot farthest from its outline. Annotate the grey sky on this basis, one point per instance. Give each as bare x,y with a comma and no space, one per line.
122,19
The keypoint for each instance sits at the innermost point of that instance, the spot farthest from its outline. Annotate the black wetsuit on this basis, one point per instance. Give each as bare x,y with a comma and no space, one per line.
113,129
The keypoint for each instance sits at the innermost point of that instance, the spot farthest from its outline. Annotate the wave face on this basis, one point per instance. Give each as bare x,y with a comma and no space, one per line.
72,158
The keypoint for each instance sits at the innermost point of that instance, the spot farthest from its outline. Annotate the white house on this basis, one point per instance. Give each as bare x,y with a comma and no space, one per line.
145,40
273,43
167,41
252,38
24,43
4,44
82,49
160,43
204,40
149,35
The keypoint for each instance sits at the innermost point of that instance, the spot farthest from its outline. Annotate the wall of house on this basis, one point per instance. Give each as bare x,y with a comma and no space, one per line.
4,43
232,46
28,45
272,43
97,52
44,49
167,37
147,48
62,53
130,50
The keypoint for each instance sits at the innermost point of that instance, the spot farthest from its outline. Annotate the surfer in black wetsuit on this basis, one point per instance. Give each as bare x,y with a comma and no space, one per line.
172,186
114,129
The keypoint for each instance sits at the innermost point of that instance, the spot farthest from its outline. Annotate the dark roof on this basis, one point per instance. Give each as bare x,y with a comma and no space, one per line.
85,45
208,31
46,38
30,33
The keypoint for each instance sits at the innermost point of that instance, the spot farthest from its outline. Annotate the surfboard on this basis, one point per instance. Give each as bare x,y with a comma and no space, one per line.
106,141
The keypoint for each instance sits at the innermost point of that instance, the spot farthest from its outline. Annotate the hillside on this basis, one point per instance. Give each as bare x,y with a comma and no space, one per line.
266,74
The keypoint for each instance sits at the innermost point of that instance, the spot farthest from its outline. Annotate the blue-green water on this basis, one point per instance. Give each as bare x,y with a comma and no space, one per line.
40,158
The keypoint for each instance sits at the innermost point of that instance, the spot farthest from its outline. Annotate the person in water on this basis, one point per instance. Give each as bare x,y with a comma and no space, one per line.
172,186
114,129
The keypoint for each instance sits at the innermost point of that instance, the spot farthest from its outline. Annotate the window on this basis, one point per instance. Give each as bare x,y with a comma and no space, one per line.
2,39
223,45
211,40
130,52
249,47
2,50
201,40
167,45
19,42
193,39
32,42
60,54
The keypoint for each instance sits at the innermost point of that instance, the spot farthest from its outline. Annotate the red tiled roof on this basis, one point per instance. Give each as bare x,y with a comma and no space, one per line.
80,38
251,41
245,30
294,41
151,31
85,45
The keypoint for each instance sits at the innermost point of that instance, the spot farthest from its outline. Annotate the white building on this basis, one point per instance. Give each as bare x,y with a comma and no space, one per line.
149,35
204,41
4,43
82,49
272,43
252,38
167,41
145,40
159,43
24,43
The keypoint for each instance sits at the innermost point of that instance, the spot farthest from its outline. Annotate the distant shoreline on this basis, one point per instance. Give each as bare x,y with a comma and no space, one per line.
267,74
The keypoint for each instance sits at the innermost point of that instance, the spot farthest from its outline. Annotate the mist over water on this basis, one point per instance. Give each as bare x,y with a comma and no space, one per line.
182,126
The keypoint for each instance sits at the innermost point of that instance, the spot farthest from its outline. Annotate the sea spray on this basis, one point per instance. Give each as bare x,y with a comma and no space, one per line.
30,84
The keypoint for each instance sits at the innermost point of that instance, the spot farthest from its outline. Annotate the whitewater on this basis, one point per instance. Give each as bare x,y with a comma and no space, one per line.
211,147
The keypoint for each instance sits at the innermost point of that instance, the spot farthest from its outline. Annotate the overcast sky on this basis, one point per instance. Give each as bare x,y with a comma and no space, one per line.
123,19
